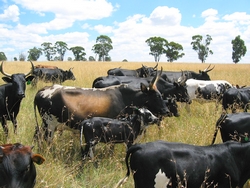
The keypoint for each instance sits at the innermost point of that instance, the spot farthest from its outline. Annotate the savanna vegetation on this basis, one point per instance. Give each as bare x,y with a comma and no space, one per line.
63,166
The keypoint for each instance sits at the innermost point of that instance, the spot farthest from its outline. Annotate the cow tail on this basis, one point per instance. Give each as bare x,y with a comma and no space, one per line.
37,126
217,127
130,151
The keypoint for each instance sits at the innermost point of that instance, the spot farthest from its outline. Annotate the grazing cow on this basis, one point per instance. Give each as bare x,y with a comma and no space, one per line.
197,88
52,75
108,130
70,105
17,167
174,75
140,72
235,98
234,126
166,164
11,95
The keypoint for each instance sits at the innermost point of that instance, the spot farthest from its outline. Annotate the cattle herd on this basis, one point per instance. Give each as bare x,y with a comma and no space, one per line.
118,109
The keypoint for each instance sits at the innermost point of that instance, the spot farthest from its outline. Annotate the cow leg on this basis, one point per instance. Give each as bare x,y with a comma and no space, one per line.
14,121
89,149
5,126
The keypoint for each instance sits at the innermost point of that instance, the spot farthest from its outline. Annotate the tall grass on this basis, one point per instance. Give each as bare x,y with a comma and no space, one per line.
63,166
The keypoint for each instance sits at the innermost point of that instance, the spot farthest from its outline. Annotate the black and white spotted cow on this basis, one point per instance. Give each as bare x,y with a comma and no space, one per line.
167,164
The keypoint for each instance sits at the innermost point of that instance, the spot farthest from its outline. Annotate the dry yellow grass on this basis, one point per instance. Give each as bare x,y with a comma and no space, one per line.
63,166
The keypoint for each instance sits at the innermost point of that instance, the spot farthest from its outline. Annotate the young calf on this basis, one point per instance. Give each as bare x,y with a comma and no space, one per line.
122,130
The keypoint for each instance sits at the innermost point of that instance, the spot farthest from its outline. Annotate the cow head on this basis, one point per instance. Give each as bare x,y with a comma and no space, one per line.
203,74
172,106
145,71
156,103
68,75
17,167
18,80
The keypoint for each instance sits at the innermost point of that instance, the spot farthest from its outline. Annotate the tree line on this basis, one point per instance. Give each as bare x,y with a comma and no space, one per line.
158,47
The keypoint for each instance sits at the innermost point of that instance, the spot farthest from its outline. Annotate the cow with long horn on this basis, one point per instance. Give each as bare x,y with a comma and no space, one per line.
11,95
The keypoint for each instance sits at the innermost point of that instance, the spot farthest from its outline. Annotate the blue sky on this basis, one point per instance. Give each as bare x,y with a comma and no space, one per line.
25,24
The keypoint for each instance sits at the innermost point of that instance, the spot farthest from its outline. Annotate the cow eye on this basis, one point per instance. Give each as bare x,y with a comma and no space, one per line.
27,169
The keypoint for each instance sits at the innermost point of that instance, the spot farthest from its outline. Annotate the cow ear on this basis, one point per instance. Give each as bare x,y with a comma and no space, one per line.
29,79
144,88
37,158
7,79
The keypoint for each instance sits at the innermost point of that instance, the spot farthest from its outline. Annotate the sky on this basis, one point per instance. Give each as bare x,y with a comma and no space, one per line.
25,24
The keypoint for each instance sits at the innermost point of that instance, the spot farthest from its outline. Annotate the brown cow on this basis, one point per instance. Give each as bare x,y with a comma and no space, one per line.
17,167
46,66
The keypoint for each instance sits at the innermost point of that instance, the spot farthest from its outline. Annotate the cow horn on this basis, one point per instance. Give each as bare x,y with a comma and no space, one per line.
32,69
207,69
155,79
4,73
156,66
182,80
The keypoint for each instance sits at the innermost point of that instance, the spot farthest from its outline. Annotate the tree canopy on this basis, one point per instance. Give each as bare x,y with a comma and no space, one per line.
3,56
201,46
156,45
79,53
48,50
172,51
239,49
61,48
102,47
34,54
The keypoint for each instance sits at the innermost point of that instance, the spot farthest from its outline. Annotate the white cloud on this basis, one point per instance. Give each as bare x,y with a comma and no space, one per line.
75,9
11,13
128,36
240,17
165,15
103,29
210,14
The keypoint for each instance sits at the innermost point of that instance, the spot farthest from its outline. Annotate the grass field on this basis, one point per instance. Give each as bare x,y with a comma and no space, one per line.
63,167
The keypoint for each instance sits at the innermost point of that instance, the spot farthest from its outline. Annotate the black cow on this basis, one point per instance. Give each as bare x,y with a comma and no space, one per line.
235,126
166,164
235,98
108,130
53,75
144,71
174,75
11,95
176,89
17,167
70,105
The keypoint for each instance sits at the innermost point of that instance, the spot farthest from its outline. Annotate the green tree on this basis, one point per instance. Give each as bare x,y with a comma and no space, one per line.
48,50
102,47
172,51
156,45
91,58
61,48
22,57
239,49
3,56
201,47
79,53
34,54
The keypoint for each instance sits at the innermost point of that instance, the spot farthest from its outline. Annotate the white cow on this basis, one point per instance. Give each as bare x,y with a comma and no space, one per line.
206,89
